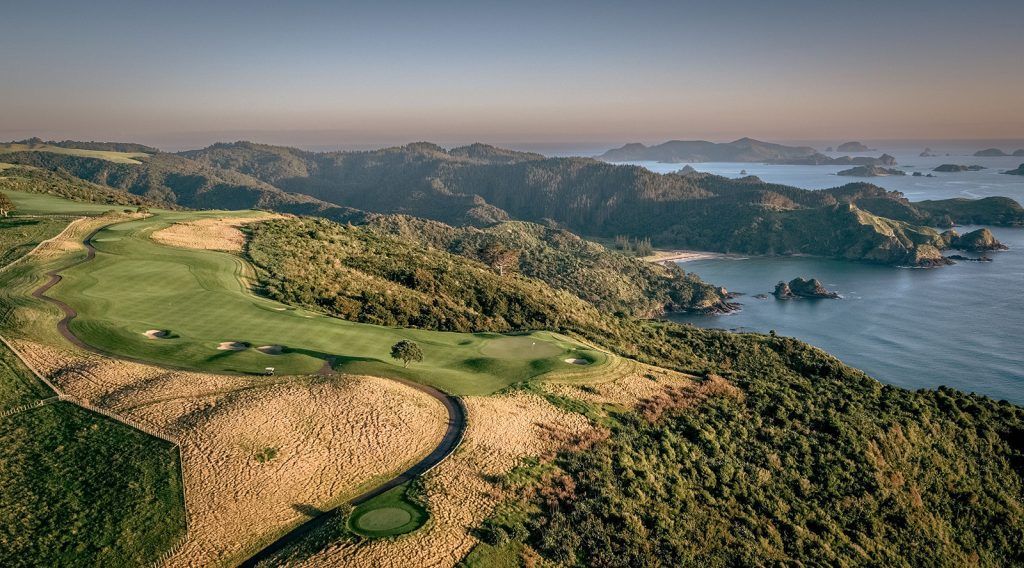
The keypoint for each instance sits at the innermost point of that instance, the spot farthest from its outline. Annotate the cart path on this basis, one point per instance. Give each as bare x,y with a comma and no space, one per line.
449,442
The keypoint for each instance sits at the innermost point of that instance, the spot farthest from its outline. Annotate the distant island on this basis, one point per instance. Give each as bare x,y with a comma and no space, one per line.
1019,152
990,152
823,160
927,153
958,168
871,171
802,288
678,151
1017,172
853,147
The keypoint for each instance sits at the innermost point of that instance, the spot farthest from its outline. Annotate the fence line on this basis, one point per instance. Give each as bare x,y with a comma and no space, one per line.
41,243
60,395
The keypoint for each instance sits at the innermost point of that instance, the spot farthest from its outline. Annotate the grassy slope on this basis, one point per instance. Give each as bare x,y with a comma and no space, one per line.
111,156
80,489
43,204
20,235
135,285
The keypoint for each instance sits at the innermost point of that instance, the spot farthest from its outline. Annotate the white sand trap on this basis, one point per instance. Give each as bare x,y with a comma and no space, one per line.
572,361
232,346
270,349
156,334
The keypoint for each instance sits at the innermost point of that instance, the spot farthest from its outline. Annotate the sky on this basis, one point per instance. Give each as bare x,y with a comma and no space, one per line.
185,73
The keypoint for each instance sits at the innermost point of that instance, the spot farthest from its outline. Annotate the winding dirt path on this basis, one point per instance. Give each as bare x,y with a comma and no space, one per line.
453,405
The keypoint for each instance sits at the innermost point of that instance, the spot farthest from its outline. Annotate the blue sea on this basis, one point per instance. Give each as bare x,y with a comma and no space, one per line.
958,326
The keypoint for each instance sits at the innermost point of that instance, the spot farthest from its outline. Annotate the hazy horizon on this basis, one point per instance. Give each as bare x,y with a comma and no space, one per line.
588,74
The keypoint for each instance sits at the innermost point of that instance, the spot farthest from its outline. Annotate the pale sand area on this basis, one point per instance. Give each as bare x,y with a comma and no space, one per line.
331,437
222,234
232,346
662,256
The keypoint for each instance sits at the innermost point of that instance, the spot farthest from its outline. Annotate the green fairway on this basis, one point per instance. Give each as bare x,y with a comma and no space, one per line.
389,514
43,204
135,285
110,156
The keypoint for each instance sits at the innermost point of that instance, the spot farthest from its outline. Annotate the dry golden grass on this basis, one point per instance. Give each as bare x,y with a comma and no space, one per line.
461,492
324,438
208,234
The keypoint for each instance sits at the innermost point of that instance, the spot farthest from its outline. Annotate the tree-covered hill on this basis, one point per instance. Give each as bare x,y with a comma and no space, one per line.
481,185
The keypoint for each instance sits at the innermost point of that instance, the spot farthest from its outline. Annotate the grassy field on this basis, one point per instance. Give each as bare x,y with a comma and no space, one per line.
44,204
20,235
118,157
389,514
200,299
80,489
17,385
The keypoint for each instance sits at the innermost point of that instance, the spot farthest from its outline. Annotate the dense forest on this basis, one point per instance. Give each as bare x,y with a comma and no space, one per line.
807,461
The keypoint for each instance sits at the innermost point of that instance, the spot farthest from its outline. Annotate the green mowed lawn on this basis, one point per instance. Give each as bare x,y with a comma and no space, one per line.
82,490
389,514
43,204
199,298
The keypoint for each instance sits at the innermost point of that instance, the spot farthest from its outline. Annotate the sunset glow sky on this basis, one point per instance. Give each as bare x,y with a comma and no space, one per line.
391,72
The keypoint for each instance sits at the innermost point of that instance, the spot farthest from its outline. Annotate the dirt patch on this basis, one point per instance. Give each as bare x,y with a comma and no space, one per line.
271,349
232,346
156,334
258,455
461,491
208,234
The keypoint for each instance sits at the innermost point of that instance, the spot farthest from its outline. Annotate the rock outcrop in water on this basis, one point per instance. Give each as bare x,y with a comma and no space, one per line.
927,153
958,168
801,288
871,171
853,147
1017,172
990,152
976,241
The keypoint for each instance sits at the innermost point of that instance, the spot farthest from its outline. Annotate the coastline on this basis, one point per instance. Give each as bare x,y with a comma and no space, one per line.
681,255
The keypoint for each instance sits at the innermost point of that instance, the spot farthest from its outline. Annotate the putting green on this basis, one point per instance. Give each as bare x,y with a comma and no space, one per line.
389,514
135,285
386,519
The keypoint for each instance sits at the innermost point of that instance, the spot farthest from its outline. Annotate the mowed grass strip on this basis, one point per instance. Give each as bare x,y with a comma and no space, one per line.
135,285
108,155
43,204
389,514
83,490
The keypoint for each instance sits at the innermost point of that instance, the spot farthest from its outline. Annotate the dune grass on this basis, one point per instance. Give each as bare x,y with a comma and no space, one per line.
201,298
110,156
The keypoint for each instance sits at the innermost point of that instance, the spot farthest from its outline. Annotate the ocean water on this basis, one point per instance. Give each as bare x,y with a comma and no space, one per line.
961,326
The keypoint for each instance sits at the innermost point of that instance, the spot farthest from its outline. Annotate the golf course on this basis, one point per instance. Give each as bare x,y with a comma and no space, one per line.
194,309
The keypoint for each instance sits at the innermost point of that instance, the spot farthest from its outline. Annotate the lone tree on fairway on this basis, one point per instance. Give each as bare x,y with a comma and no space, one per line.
6,205
500,257
407,351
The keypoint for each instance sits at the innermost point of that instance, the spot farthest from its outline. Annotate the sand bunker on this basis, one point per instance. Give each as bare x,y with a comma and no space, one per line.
156,334
232,346
573,361
208,234
270,349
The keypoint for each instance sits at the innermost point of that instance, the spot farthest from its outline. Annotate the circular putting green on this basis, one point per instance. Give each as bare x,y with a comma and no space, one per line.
389,514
